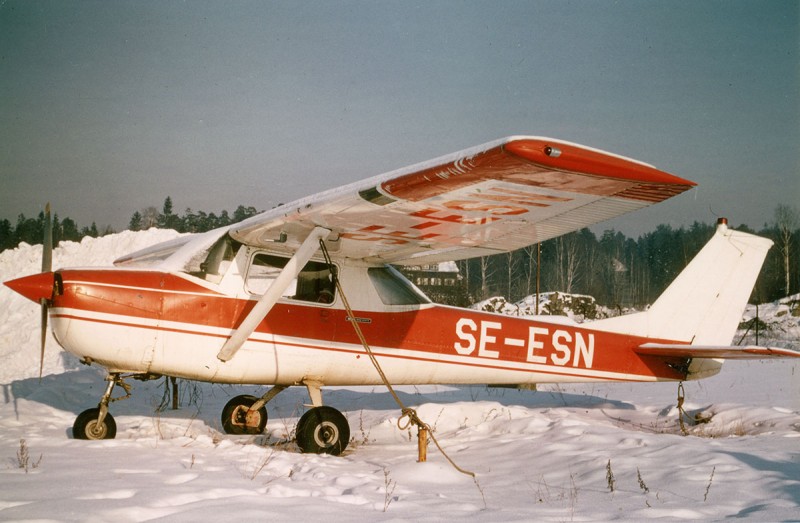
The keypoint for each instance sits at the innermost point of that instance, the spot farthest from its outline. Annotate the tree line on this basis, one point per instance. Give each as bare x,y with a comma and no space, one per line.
613,268
31,230
189,221
620,271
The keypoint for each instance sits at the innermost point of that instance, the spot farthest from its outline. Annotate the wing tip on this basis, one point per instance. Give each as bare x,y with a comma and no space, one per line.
568,156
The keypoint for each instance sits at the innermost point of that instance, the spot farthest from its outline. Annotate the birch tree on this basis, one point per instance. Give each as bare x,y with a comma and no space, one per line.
786,221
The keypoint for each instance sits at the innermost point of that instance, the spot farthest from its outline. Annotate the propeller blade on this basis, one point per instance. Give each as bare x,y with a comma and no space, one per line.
47,266
47,244
44,336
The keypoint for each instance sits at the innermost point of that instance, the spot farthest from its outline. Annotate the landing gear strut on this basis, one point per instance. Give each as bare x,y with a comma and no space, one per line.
321,430
98,423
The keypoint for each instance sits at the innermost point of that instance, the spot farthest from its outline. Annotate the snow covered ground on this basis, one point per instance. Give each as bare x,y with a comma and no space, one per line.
564,453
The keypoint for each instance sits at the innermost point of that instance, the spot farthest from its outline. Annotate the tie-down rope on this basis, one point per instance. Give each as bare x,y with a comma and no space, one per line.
407,412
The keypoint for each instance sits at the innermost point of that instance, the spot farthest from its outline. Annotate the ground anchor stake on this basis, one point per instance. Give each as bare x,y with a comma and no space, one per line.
422,442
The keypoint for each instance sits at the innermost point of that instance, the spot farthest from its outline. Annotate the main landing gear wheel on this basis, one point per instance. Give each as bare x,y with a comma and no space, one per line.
237,418
323,430
86,425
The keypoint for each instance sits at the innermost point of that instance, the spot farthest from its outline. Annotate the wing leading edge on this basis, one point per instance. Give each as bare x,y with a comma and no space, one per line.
497,197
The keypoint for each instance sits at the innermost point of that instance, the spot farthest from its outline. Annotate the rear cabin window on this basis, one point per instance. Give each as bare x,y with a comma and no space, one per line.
393,288
313,284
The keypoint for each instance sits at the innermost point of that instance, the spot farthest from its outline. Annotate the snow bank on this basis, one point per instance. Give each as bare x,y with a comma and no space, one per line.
577,307
20,319
578,452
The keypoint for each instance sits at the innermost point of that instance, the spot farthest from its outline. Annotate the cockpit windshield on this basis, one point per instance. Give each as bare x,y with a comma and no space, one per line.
393,288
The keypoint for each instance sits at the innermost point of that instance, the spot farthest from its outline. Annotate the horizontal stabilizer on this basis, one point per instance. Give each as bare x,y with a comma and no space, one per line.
749,352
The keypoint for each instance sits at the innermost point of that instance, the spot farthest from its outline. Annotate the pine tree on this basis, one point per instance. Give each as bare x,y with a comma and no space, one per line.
69,230
136,222
6,235
58,234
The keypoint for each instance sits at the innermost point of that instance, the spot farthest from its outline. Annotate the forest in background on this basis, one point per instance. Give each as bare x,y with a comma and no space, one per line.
623,272
31,230
614,269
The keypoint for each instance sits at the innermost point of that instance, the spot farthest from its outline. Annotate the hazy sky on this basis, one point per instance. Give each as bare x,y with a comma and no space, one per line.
108,107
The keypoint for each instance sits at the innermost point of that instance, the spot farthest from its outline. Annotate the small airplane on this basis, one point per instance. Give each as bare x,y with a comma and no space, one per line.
306,293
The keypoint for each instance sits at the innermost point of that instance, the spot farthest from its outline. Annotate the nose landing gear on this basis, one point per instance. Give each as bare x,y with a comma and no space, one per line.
98,423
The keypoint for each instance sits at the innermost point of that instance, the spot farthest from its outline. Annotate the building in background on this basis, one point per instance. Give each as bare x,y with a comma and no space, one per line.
442,282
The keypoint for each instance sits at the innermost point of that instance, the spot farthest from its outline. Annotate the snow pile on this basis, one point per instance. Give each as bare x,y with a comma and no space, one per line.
20,319
580,452
778,322
577,307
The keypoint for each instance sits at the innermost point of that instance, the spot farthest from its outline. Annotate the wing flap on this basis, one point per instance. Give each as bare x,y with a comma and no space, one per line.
750,352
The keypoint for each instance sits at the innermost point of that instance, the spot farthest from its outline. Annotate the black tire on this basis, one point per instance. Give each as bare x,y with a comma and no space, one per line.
86,426
323,430
235,420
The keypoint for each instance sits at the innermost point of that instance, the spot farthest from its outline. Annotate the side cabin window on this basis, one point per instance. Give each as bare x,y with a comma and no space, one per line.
313,284
393,288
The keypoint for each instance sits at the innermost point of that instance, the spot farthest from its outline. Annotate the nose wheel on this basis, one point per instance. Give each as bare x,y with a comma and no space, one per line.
90,425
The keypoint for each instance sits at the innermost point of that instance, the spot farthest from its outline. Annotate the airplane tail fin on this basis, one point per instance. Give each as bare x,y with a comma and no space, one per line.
704,304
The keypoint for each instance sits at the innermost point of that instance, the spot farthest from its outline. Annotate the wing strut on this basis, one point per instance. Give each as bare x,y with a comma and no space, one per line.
275,291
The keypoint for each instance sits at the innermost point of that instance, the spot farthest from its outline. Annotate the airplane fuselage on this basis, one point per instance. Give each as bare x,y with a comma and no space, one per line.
143,321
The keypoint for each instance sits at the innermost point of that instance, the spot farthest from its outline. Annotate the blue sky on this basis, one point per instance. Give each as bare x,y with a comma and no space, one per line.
108,107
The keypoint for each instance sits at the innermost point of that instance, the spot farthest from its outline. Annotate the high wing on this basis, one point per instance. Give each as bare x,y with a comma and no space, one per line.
750,352
492,198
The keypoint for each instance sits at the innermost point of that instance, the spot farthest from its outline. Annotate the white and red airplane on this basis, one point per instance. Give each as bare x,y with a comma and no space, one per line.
258,302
